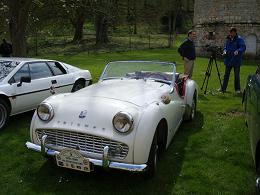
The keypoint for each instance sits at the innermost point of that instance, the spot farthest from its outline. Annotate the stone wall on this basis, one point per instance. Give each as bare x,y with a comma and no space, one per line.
213,19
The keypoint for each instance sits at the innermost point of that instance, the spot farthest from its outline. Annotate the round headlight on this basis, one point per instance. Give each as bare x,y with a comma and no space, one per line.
45,112
123,122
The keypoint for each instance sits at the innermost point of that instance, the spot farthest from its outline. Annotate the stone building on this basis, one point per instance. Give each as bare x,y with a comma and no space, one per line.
213,19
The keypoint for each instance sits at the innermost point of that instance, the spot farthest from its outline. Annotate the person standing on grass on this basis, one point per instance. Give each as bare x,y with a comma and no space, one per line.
187,51
233,51
6,49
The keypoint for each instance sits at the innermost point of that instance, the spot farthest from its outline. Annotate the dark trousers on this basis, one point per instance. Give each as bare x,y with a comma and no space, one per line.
237,78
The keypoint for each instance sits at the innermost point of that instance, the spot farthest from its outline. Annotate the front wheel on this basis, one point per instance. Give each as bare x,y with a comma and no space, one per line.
4,114
78,85
153,158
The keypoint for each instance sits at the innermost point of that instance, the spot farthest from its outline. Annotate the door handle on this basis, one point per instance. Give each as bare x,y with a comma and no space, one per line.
53,82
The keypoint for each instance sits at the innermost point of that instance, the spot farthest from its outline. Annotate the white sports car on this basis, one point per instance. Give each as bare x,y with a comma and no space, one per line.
124,121
25,82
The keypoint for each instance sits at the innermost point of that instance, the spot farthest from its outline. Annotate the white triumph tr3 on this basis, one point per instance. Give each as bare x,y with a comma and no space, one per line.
121,122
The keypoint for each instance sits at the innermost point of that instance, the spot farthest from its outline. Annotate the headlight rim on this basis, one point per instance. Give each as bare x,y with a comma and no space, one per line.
129,118
51,111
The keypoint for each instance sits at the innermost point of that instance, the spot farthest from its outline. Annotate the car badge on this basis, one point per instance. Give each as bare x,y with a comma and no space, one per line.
83,114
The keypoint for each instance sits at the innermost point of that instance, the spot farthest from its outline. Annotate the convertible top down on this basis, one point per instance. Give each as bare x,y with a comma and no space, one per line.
123,121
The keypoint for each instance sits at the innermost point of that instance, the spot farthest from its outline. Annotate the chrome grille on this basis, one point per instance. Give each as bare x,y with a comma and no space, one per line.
85,142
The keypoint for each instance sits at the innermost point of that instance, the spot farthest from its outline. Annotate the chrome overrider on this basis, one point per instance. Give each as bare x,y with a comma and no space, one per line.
257,182
105,163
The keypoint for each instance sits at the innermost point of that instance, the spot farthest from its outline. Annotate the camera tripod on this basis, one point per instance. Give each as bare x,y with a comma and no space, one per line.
212,60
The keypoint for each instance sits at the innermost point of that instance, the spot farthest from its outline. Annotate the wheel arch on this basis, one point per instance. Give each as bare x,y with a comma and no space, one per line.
191,88
6,99
80,78
188,109
145,132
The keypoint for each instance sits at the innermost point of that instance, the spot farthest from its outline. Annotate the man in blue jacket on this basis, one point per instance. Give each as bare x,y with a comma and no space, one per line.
233,51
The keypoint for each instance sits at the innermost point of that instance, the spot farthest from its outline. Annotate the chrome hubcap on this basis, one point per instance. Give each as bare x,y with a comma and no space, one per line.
257,182
193,109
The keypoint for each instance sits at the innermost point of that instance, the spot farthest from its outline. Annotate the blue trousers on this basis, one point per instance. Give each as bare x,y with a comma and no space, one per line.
237,78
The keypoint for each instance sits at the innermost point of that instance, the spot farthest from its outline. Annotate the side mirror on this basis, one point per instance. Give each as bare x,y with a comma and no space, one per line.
24,80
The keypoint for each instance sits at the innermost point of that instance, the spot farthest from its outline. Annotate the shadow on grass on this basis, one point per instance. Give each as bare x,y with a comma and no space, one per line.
16,123
203,97
50,178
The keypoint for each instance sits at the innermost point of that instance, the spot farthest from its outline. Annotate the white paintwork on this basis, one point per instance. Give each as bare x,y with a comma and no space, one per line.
22,103
103,100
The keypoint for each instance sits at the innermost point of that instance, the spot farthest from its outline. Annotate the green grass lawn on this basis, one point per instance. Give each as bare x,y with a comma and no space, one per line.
210,155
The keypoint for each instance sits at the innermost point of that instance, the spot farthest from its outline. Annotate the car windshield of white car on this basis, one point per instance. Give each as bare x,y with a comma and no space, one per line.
156,71
6,67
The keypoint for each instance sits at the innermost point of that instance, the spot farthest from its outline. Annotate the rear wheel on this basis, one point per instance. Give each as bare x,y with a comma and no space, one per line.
4,114
191,111
78,85
193,108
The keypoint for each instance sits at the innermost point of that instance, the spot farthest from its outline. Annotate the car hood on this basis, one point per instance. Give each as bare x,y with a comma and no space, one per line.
91,110
138,92
84,114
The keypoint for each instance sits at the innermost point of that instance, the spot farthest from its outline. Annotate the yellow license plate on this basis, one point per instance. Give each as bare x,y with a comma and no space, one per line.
72,159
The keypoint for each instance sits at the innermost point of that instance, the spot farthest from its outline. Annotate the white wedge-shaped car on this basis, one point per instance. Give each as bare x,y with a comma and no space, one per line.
25,82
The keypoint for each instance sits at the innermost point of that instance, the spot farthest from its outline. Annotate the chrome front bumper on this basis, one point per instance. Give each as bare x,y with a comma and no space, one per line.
104,162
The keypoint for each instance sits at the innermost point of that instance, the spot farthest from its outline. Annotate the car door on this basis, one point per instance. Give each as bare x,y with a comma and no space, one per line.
174,112
249,106
62,82
255,108
29,95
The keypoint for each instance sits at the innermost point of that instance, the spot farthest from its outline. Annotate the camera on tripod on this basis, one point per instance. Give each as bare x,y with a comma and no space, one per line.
214,49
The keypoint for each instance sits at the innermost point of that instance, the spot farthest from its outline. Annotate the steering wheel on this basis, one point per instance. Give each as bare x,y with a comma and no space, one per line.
157,76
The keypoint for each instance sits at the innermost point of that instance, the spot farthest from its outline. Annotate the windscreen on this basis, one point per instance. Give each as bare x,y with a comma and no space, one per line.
6,67
158,71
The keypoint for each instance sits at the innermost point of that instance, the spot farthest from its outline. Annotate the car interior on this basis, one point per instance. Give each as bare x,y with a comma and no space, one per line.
180,79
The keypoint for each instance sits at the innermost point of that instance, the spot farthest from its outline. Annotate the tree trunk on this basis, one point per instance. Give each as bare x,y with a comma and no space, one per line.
170,39
18,11
78,25
172,25
135,18
135,28
101,27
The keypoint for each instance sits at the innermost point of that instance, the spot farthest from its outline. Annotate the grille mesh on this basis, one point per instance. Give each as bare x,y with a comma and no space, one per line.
86,142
